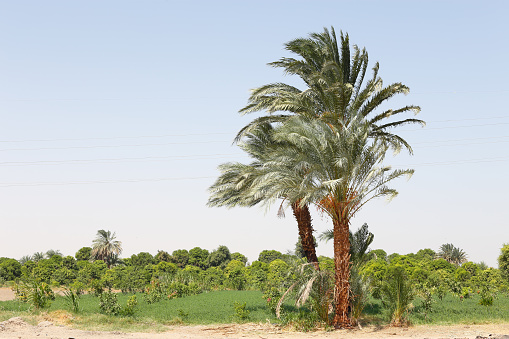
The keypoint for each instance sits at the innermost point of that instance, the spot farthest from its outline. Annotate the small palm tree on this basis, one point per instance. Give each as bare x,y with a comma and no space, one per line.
37,256
25,259
51,253
106,248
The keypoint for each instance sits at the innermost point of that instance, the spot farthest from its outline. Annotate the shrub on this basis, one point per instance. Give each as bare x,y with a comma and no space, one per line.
241,313
38,294
108,303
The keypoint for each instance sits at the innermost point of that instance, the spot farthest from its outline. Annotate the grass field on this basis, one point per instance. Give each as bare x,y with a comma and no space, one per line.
218,308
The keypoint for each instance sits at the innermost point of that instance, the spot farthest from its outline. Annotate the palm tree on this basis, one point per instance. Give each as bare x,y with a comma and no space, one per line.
343,171
334,93
106,248
452,254
51,253
37,256
234,185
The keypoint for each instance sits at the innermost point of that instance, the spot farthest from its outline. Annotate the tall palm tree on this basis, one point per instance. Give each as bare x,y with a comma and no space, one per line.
343,171
335,92
234,185
106,248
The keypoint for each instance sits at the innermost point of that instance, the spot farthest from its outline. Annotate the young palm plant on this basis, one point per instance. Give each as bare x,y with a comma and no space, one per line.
342,171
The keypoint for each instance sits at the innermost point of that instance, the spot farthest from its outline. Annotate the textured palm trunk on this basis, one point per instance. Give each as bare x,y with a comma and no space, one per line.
303,218
342,273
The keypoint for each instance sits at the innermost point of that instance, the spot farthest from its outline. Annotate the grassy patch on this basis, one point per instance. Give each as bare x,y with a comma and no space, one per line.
453,311
206,308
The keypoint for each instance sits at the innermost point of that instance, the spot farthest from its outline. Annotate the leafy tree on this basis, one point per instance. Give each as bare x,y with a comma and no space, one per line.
268,256
142,259
198,257
10,269
378,254
503,261
83,253
235,274
240,257
426,254
219,257
106,248
163,256
180,257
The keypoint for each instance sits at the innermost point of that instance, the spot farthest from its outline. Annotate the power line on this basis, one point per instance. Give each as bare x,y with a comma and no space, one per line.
109,146
226,133
114,138
98,182
456,162
106,160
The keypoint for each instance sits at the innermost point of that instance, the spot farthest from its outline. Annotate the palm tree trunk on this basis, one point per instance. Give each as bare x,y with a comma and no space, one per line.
303,218
342,273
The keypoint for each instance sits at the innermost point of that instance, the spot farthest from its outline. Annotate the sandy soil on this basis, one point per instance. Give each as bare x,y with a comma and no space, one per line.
15,328
6,294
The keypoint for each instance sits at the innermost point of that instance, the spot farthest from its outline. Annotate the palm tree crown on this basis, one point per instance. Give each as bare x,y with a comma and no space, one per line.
335,91
106,248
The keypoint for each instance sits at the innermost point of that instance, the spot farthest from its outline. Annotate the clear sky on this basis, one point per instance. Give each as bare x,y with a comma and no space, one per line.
116,114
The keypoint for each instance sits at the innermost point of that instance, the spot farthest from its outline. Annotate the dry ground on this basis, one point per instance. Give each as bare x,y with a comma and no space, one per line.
15,328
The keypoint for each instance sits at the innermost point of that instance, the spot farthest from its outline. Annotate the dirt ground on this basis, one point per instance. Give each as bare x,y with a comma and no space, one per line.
16,328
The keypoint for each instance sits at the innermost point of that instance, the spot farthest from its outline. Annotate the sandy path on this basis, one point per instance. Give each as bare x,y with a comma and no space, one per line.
17,328
6,294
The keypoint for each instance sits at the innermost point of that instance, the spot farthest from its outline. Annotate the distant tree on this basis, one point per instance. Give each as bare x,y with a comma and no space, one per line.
25,259
198,257
452,254
51,253
83,253
37,256
268,256
10,269
239,257
106,248
426,254
180,258
142,259
378,254
219,257
503,261
163,256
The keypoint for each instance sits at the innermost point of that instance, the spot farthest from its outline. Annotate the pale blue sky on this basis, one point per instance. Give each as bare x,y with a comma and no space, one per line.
155,86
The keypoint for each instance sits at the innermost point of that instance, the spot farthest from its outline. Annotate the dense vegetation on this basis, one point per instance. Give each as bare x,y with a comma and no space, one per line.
165,287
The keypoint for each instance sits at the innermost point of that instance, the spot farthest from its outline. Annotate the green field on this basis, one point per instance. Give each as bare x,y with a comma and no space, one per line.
218,308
